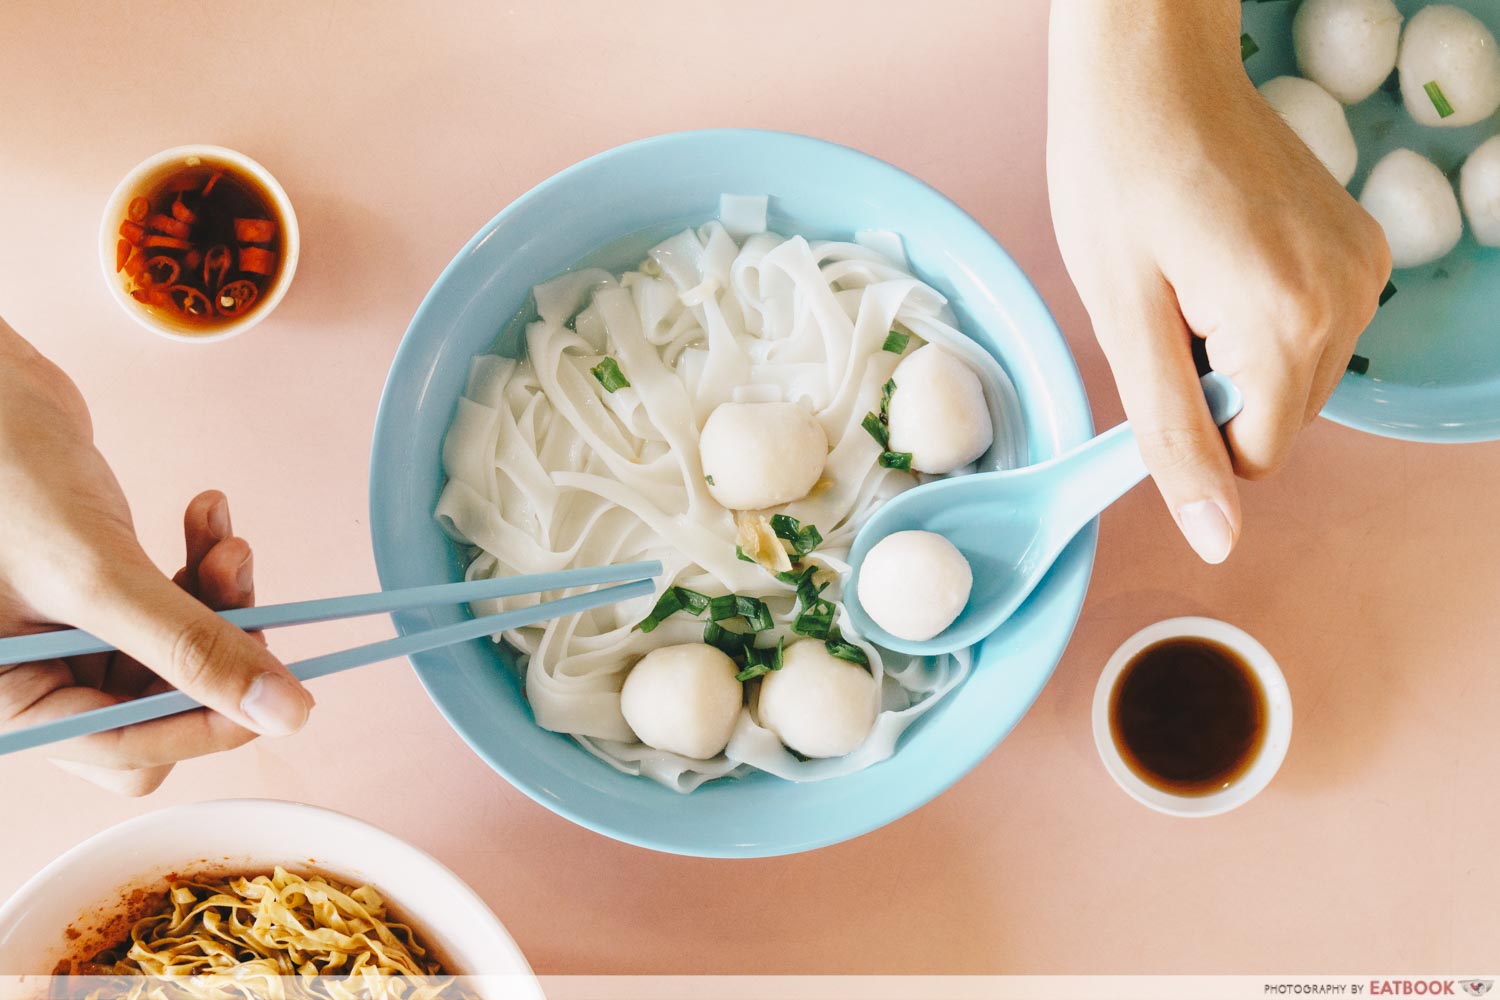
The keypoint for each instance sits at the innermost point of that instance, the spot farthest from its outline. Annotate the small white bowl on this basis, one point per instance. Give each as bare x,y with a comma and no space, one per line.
83,888
1278,718
146,175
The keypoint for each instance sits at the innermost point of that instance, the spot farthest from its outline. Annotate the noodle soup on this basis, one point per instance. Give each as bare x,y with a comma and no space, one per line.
724,406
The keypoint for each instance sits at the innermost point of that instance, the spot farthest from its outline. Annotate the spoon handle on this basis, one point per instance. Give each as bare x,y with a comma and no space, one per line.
1104,469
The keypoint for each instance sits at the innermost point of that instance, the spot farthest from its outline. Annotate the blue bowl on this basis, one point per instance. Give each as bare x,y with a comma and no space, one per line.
623,201
1434,357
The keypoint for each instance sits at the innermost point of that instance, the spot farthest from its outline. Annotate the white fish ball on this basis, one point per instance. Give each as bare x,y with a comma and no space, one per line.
914,584
1347,47
1452,48
938,413
683,699
1317,119
761,454
818,704
1415,205
1479,187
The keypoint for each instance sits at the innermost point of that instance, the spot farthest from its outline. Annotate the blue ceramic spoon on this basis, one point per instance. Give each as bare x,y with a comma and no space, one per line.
1013,524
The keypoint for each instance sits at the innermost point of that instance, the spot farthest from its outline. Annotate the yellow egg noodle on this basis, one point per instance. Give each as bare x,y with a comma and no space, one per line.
547,469
274,937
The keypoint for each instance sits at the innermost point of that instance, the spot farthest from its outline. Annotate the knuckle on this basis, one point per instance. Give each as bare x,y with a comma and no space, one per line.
197,654
1171,450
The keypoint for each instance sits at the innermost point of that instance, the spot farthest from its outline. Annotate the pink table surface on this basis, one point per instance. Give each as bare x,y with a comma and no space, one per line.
1368,566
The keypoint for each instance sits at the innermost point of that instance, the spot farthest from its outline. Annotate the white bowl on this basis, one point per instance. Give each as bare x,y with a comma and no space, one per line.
152,171
1278,718
86,884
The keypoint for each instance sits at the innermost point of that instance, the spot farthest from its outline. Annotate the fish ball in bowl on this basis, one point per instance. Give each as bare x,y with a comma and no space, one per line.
1479,188
1347,47
1317,119
914,584
938,413
758,455
1415,205
818,704
683,699
1452,51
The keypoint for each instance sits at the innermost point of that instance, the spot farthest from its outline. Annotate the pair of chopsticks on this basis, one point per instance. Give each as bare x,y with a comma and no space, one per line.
75,642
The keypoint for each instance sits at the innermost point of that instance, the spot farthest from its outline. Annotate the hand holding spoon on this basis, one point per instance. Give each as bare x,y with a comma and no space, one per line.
1012,525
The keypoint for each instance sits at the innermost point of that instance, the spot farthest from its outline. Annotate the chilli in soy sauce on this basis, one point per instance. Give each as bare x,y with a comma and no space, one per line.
202,246
1188,716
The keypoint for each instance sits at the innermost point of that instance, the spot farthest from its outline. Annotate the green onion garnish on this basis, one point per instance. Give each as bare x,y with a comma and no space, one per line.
726,641
896,460
1359,364
1248,47
752,609
803,540
815,617
879,424
1387,292
845,650
761,660
609,375
896,342
816,621
739,553
673,600
709,480
1439,102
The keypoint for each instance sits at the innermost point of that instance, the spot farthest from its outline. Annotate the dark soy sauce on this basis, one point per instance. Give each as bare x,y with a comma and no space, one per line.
1188,715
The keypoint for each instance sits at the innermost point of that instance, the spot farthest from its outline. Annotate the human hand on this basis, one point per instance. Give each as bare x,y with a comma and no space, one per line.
68,554
1184,206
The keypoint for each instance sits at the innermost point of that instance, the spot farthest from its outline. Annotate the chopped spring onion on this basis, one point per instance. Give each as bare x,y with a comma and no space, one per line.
673,600
1359,364
761,660
896,460
609,375
896,342
1387,292
815,614
739,553
879,424
843,650
1439,101
815,620
803,540
1248,47
709,480
752,609
728,642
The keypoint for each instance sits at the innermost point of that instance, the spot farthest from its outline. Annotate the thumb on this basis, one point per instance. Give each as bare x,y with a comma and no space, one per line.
149,618
1149,348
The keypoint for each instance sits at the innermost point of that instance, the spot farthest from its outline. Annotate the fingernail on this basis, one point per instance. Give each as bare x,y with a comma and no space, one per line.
275,705
1206,529
244,577
218,520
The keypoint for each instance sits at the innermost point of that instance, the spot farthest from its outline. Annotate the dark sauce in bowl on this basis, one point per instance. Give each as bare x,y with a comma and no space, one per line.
1188,716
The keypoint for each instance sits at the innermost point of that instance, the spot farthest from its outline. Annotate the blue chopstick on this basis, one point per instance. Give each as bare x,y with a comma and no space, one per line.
76,642
158,706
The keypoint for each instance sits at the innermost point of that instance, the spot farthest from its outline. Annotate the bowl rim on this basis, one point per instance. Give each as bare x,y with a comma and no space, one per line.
109,234
1065,379
13,911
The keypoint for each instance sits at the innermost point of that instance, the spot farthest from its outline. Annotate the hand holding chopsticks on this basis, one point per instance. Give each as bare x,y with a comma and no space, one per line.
637,579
